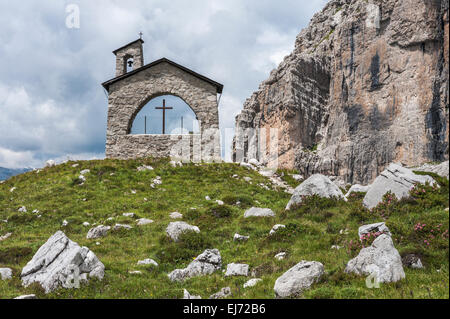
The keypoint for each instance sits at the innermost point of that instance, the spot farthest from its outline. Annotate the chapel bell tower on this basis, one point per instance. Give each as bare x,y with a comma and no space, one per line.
129,57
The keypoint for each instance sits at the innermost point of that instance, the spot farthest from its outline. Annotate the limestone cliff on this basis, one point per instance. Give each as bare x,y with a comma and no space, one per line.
366,85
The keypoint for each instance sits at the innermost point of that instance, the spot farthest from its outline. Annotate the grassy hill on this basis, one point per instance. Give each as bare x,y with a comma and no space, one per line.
115,187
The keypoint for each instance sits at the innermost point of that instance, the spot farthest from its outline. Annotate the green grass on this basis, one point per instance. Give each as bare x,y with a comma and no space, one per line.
311,231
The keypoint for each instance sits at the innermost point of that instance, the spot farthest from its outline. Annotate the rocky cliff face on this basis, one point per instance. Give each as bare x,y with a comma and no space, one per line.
366,85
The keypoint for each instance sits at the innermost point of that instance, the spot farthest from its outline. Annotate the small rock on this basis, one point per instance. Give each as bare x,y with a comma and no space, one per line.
412,261
5,237
280,256
50,163
26,297
297,177
373,228
357,189
176,215
298,278
5,273
128,215
56,260
65,223
205,264
207,198
22,209
148,261
275,228
35,211
380,259
12,189
144,168
121,226
238,237
317,184
247,165
133,191
236,270
97,232
252,282
254,162
247,179
175,229
223,293
85,171
219,202
86,224
187,295
144,221
75,165
259,212
82,178
135,272
337,247
175,163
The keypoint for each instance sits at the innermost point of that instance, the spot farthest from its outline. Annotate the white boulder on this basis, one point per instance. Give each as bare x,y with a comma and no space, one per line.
97,232
176,215
143,221
317,184
56,262
275,229
397,179
175,229
381,259
357,189
147,261
238,237
252,282
259,212
5,273
373,228
298,278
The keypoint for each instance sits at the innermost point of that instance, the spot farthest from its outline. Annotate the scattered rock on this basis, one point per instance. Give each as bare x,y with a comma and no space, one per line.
135,272
144,221
252,282
380,259
5,237
238,237
65,223
317,184
75,165
50,163
280,256
82,178
128,215
247,179
175,229
275,228
205,264
207,198
144,168
440,169
254,162
357,189
5,273
26,297
298,278
297,177
247,165
187,295
337,247
397,179
259,212
148,261
236,270
412,261
122,226
22,209
219,202
97,232
54,263
377,228
12,189
86,224
176,215
85,171
35,211
223,293
176,163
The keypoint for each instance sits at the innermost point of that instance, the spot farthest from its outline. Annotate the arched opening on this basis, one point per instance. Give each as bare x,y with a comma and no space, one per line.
166,114
129,64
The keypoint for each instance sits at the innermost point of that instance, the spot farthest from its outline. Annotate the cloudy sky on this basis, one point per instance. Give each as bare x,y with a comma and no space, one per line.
52,105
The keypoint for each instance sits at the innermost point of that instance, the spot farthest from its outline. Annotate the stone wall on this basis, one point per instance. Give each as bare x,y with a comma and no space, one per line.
129,95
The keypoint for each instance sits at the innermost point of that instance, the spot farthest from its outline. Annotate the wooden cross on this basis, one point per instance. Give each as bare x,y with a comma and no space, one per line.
164,108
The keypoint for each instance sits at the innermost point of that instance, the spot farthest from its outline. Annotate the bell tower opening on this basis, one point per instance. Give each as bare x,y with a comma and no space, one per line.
129,57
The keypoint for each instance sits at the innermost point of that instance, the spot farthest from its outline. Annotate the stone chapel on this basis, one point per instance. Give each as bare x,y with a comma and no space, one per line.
135,84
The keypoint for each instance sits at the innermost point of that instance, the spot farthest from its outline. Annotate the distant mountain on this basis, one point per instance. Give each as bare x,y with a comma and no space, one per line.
6,173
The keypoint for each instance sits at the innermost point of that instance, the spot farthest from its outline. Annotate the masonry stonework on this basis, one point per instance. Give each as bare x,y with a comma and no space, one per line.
128,94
